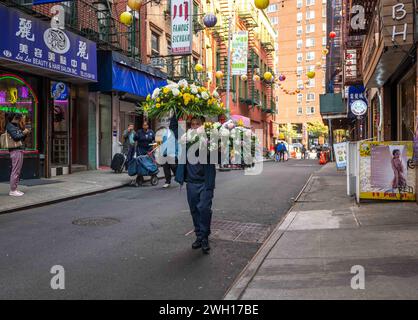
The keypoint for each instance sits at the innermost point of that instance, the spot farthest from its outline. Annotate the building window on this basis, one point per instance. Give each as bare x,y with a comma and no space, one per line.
310,3
299,16
274,20
310,42
300,84
310,97
299,44
299,97
310,56
310,28
272,8
299,57
299,71
299,4
310,68
310,110
155,44
311,83
299,110
310,15
299,30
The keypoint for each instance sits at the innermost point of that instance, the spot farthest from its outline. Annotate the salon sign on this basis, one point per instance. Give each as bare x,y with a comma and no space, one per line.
44,45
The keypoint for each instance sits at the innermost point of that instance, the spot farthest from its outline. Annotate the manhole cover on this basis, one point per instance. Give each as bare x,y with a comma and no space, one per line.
95,222
238,231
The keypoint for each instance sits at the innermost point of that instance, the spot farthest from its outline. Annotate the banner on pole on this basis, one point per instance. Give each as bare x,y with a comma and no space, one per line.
239,47
35,2
181,27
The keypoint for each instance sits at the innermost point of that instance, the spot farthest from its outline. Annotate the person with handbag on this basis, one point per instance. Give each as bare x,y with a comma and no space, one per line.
14,142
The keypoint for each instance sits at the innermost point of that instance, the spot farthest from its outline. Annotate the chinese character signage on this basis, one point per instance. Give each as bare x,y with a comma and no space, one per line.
386,172
357,100
181,27
239,47
351,64
33,42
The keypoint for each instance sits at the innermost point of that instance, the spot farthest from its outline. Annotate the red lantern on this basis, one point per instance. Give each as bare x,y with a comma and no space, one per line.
332,34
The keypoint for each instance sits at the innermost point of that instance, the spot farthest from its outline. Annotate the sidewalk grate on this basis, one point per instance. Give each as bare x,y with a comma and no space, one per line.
96,222
238,231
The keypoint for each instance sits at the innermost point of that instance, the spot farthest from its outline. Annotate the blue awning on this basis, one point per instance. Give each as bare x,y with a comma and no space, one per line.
120,73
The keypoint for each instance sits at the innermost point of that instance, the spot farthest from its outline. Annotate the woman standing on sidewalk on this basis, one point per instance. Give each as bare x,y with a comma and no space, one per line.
17,136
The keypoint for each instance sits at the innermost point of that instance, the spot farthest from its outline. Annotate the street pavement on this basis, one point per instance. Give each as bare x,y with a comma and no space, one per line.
135,243
328,247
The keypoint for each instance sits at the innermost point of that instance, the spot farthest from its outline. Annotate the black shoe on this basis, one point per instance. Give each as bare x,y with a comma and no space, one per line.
197,244
205,246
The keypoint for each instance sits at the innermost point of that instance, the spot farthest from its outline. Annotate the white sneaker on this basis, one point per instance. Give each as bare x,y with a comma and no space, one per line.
167,185
16,193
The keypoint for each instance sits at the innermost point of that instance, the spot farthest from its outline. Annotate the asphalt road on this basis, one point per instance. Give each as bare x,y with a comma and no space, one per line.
146,254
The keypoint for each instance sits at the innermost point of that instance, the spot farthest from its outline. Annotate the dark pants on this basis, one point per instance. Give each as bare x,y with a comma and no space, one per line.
281,155
168,167
200,203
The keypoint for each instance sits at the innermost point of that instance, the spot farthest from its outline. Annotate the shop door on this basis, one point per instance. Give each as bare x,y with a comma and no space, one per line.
407,111
105,130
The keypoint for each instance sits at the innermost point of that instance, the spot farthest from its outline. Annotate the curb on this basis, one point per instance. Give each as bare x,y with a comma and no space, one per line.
240,284
72,197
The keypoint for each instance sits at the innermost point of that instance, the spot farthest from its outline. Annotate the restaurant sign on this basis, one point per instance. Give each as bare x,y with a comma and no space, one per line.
181,27
33,42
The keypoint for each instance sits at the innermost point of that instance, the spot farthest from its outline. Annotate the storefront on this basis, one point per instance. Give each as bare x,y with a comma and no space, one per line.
123,85
44,74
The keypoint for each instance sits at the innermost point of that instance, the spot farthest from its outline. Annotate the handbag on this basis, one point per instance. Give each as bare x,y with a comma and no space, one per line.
6,142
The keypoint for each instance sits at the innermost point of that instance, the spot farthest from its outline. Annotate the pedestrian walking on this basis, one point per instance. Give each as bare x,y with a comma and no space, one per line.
281,150
303,150
170,151
128,148
200,179
15,135
145,137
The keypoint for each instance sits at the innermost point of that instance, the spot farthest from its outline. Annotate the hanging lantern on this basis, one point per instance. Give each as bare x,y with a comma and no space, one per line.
332,34
325,51
210,20
198,68
311,74
261,4
256,78
244,77
219,74
282,77
135,4
319,64
126,18
268,76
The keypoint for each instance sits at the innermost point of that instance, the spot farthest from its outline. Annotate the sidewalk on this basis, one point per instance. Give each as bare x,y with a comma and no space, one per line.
311,253
62,188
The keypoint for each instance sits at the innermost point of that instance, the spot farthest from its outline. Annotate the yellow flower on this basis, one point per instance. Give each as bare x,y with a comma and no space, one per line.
187,97
148,97
166,90
158,99
158,105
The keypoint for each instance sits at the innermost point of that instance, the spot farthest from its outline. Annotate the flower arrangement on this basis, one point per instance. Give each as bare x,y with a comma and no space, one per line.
184,101
230,136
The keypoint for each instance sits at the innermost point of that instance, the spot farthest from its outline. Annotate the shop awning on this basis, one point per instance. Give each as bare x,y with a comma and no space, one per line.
122,74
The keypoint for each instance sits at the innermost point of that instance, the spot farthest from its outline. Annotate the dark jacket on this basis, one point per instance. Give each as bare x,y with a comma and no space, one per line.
15,133
144,140
210,175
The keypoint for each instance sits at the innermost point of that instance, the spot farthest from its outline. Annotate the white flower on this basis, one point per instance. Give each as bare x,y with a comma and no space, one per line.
156,93
193,89
224,132
198,96
201,130
205,95
183,83
215,94
217,125
175,92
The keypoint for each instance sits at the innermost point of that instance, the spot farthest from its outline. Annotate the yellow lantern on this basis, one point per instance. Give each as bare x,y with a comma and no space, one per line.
311,74
198,67
325,51
244,77
261,4
219,74
268,76
135,4
126,18
256,78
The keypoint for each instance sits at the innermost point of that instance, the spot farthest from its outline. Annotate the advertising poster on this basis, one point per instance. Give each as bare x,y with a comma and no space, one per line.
239,53
181,27
384,171
340,150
